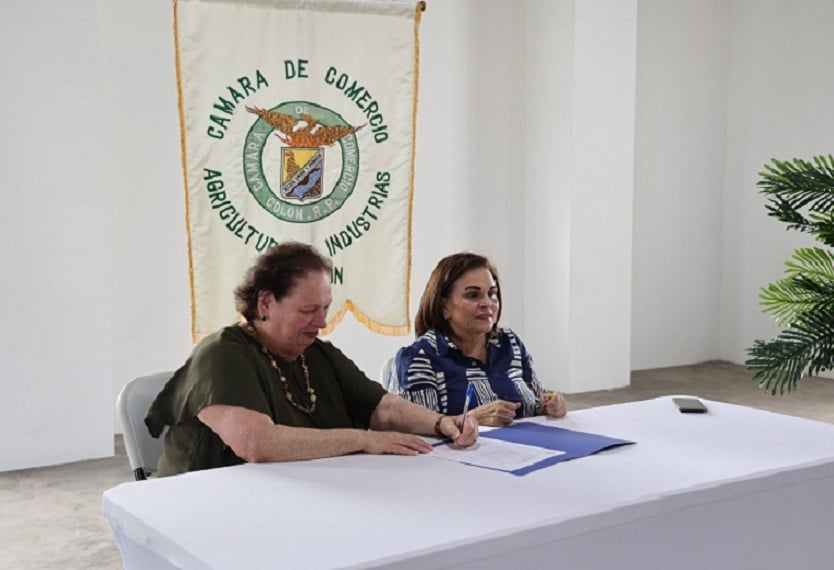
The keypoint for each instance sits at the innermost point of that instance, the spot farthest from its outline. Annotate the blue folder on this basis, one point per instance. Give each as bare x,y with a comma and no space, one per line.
574,443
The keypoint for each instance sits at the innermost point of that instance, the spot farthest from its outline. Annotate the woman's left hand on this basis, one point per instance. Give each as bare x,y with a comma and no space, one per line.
554,404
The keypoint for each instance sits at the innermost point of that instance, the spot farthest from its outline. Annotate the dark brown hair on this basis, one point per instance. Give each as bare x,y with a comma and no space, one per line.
448,270
278,271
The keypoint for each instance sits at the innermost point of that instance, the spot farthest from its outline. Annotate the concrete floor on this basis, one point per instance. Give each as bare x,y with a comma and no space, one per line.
51,517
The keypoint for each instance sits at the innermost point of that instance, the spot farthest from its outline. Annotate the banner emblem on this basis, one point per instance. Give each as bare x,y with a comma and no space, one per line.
311,131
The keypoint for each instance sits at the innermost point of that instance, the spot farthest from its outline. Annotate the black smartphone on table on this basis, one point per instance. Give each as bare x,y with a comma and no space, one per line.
690,405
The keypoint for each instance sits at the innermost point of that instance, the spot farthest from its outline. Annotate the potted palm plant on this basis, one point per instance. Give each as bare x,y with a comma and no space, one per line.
801,194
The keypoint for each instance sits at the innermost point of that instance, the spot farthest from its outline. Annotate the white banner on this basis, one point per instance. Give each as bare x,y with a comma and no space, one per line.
297,123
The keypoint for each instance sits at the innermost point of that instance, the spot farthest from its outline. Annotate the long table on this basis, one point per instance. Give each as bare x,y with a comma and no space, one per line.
735,488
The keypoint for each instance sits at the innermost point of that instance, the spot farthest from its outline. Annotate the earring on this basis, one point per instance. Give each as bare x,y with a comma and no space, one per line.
263,318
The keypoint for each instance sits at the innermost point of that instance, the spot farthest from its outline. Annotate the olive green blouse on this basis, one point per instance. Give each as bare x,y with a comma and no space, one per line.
228,367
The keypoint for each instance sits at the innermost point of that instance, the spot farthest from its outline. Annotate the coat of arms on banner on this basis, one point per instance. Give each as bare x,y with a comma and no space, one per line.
305,131
289,135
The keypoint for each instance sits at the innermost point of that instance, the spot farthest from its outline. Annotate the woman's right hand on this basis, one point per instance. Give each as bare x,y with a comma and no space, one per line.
496,414
394,443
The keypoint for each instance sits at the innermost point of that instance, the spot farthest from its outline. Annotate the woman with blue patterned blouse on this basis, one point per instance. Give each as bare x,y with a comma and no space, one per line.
459,342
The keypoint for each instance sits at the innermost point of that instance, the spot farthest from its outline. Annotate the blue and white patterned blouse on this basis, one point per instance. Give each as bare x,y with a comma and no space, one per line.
434,373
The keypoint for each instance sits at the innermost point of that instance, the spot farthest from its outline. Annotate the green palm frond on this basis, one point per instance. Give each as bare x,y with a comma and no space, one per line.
784,300
796,185
805,348
809,286
822,226
814,263
801,183
802,302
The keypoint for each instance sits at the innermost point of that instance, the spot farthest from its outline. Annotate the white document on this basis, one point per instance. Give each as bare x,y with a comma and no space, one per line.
494,454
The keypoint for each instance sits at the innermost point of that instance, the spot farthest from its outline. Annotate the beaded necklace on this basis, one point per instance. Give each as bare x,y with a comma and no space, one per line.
311,392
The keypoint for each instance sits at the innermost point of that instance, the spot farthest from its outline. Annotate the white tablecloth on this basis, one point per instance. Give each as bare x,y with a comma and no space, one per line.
735,488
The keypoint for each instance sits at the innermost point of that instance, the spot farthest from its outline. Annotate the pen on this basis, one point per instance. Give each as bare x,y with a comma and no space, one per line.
467,400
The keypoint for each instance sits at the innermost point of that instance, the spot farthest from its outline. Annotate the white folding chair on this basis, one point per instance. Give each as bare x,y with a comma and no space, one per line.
143,451
388,376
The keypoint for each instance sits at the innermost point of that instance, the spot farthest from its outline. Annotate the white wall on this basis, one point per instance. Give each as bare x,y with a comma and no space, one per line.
547,244
145,199
578,191
95,287
779,106
55,345
682,63
602,192
722,87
